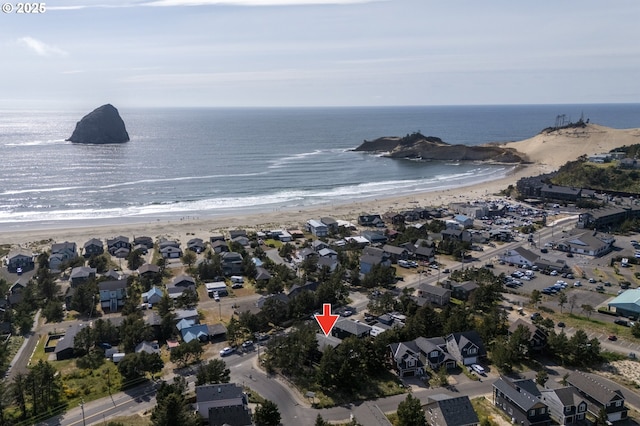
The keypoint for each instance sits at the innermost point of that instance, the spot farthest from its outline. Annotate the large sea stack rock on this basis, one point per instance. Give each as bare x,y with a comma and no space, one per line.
102,125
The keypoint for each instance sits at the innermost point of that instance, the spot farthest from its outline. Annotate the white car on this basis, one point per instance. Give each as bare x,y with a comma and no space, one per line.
216,296
226,351
478,369
577,284
554,273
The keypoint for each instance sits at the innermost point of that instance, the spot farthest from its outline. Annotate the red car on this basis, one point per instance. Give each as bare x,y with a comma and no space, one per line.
612,338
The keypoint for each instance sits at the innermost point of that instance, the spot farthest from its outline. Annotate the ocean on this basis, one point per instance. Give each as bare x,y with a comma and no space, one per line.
211,161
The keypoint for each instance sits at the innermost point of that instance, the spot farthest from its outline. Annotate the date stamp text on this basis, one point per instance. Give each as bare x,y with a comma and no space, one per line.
24,8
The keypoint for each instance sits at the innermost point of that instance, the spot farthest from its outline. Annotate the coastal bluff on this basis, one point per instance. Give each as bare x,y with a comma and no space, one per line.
418,146
103,125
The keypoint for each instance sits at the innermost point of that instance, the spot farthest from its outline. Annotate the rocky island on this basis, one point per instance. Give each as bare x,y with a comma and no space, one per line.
418,146
100,126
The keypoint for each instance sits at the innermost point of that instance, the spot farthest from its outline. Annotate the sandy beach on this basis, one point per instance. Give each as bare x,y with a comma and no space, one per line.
547,152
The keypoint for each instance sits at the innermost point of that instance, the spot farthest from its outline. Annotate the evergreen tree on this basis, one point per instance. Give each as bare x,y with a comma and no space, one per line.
410,412
267,414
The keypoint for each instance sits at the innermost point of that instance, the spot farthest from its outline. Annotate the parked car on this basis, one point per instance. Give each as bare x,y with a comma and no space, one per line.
622,322
216,296
613,338
577,284
226,351
561,325
592,280
544,250
535,315
247,344
478,369
600,289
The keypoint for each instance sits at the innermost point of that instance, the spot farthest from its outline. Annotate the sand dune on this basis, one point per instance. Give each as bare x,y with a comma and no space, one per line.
552,150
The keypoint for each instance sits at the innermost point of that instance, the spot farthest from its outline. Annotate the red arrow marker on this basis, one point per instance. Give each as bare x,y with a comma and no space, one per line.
326,320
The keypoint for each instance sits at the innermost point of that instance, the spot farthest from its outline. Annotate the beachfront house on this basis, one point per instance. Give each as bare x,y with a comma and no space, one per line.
196,245
119,244
61,253
317,228
93,247
20,258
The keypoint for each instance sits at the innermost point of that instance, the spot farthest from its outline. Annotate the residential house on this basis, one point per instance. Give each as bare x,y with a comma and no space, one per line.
566,406
218,286
461,291
216,237
81,274
115,244
195,331
466,347
219,246
93,247
519,256
318,245
153,296
327,252
520,400
237,233
538,339
434,294
20,258
445,410
143,241
464,221
366,219
372,256
396,253
456,234
217,332
374,237
348,328
262,274
231,263
170,249
189,314
184,281
61,253
112,294
330,223
16,292
148,270
64,347
606,217
394,218
297,289
330,262
196,245
599,396
406,359
434,353
317,228
148,347
223,404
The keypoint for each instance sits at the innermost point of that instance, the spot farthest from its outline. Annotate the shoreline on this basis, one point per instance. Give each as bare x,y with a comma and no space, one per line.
291,217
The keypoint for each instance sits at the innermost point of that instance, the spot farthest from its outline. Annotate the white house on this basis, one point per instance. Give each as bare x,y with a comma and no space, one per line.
317,228
519,256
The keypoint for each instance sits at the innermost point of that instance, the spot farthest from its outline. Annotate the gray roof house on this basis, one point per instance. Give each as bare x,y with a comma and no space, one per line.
599,396
20,258
223,404
566,406
93,247
520,400
81,274
444,410
434,294
466,347
347,328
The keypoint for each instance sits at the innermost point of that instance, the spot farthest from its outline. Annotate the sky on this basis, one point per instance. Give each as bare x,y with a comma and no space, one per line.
281,53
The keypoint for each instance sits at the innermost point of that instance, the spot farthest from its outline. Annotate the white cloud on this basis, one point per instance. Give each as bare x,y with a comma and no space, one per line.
41,48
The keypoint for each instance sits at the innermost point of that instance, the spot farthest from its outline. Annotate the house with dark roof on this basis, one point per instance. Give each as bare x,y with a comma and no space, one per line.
466,348
434,294
93,247
560,193
444,410
148,347
143,241
396,253
231,263
406,359
223,404
217,331
538,339
520,400
20,258
330,223
372,256
461,291
599,396
170,249
81,274
64,347
566,406
196,245
374,237
367,219
148,270
219,246
117,243
112,294
60,253
348,328
434,353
